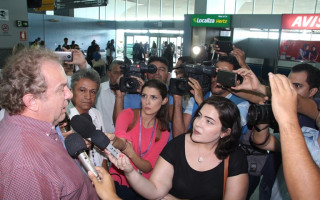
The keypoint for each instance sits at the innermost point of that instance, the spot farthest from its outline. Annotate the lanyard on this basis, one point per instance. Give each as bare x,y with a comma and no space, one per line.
154,124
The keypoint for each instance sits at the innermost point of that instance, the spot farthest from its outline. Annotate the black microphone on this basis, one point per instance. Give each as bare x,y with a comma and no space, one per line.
86,129
103,142
86,115
76,147
82,125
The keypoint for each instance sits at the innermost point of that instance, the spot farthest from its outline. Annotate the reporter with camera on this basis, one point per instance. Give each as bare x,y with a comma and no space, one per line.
182,120
261,136
305,79
133,101
299,146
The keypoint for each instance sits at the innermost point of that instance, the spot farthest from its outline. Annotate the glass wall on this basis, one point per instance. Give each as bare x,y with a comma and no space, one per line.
128,10
143,10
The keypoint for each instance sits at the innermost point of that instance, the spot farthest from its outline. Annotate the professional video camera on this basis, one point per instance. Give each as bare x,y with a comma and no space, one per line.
129,84
202,73
261,114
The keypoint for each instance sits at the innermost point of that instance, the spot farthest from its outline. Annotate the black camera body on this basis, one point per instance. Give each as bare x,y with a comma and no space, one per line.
202,73
129,84
261,114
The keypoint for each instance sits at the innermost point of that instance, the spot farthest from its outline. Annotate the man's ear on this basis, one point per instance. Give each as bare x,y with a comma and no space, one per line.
226,133
312,92
30,102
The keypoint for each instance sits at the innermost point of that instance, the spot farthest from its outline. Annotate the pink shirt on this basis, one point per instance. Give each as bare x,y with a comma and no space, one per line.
123,121
35,165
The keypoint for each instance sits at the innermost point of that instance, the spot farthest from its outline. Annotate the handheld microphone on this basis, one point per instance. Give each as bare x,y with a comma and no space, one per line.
87,130
76,147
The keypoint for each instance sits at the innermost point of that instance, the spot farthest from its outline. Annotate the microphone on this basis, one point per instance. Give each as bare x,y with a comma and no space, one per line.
76,147
82,125
86,129
103,142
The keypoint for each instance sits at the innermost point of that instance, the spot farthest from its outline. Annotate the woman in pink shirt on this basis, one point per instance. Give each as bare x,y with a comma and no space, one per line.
145,132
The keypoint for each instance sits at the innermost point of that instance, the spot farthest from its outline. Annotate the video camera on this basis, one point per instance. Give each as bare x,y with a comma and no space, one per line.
262,114
129,84
202,73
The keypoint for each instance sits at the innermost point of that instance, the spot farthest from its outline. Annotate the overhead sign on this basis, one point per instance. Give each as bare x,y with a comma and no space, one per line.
46,5
300,21
219,21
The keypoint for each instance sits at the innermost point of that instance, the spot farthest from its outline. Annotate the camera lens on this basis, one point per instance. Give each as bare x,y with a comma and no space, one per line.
259,114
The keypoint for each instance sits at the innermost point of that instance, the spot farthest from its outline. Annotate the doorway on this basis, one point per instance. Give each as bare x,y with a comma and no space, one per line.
147,41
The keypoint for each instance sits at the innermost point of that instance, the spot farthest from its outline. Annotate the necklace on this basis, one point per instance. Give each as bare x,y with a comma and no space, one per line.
200,158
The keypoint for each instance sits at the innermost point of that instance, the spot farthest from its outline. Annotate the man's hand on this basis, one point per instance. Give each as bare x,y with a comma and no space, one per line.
196,90
240,56
250,81
105,188
284,98
141,83
78,58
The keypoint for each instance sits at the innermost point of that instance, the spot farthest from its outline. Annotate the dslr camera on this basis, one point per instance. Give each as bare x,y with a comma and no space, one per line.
202,73
129,84
261,114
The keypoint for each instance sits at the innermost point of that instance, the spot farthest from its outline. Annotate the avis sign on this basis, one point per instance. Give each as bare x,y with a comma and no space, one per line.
300,21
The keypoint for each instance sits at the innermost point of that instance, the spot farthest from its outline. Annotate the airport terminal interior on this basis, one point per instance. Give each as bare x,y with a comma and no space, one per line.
271,33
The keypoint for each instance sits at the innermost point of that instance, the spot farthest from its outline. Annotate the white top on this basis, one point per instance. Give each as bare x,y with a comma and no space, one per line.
105,104
95,155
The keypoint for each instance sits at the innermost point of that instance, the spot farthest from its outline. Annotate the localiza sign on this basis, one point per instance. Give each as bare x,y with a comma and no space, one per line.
300,21
222,21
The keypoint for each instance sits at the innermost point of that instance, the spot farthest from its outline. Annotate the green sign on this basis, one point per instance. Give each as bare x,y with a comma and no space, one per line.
220,21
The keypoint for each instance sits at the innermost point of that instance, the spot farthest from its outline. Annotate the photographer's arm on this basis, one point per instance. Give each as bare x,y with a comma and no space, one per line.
301,173
118,104
251,83
308,107
262,138
178,125
240,56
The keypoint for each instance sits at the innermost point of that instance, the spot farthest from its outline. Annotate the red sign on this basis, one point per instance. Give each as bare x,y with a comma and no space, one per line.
23,36
300,21
5,27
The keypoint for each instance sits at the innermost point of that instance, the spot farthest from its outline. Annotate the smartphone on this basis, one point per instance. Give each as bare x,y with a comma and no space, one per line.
225,46
65,55
227,78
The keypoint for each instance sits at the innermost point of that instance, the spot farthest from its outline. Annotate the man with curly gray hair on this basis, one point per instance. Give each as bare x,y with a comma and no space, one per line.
33,161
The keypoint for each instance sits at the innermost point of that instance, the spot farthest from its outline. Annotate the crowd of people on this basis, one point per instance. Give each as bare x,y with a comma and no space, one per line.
170,146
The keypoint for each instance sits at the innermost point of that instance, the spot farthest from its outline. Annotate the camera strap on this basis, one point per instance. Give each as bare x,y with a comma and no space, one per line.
140,127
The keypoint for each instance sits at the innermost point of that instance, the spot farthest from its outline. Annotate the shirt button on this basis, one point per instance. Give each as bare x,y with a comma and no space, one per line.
56,139
48,134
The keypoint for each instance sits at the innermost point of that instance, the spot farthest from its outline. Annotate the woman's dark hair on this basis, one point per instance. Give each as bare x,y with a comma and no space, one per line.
163,113
229,117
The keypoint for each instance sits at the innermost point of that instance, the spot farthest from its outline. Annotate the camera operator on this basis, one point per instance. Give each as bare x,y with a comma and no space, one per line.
299,169
181,120
124,101
305,79
261,136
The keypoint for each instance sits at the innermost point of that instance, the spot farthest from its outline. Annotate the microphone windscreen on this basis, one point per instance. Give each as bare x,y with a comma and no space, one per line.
75,144
100,139
86,115
82,126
